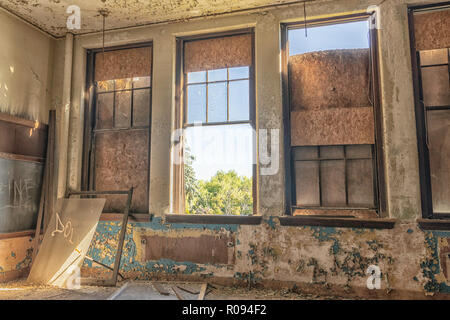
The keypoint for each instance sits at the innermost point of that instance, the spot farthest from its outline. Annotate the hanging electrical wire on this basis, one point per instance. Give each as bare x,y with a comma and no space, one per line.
304,18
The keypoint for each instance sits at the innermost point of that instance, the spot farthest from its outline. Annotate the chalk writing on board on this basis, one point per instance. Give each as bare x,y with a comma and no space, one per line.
66,230
20,193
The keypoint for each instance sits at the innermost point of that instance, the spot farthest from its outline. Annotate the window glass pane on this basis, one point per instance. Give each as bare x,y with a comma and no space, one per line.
123,84
358,151
332,152
141,82
217,75
105,104
218,169
239,100
217,102
436,56
307,183
349,35
436,86
360,183
196,103
439,141
332,178
141,107
195,77
305,153
239,73
123,109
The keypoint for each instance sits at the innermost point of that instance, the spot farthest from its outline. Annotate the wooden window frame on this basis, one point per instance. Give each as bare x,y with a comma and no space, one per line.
181,123
379,175
90,115
430,220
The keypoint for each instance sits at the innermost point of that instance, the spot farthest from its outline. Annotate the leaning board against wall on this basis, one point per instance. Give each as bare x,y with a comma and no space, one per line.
22,157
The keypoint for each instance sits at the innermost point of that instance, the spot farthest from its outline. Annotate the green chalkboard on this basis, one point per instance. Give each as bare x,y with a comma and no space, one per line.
20,192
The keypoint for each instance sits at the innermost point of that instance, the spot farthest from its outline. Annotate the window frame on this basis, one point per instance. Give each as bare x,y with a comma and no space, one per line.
378,168
178,196
91,114
428,213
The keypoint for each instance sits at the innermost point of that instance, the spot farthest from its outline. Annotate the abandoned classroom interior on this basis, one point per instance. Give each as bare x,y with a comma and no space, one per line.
339,118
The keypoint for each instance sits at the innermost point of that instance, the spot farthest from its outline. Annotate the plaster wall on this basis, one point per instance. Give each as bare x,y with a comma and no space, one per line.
26,69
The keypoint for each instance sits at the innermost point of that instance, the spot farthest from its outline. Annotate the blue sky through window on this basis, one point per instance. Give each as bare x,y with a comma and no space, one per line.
349,35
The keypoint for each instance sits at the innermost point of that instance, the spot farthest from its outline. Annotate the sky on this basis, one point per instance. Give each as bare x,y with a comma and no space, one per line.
349,35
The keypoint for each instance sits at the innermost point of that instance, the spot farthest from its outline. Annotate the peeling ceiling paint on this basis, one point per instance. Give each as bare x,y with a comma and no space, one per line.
51,16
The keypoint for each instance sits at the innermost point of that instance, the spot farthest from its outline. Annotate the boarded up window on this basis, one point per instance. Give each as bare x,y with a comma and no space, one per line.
431,30
121,134
218,53
435,80
332,117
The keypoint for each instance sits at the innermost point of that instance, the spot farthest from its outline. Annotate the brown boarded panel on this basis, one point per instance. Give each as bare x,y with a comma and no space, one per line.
217,53
432,30
66,240
203,249
121,163
336,126
126,63
329,79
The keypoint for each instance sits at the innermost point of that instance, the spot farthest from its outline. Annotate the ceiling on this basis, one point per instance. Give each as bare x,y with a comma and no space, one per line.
51,16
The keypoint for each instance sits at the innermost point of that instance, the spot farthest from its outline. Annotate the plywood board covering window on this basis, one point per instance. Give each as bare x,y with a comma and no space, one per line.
218,53
432,30
120,136
332,120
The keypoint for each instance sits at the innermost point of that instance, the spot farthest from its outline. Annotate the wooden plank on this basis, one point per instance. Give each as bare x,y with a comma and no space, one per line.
338,222
202,293
434,224
178,294
18,234
20,157
212,219
160,289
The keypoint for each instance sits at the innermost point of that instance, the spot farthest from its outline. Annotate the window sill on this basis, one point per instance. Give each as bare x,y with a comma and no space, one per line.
132,217
378,223
434,224
212,219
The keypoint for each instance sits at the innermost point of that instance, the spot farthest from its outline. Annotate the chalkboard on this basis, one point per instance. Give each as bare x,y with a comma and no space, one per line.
20,192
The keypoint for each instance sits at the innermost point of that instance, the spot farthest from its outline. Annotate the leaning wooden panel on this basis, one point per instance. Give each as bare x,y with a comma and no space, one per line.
329,79
218,53
432,30
66,241
336,126
121,64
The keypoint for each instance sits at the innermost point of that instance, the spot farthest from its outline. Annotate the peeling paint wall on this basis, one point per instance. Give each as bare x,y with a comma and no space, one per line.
328,259
15,257
25,70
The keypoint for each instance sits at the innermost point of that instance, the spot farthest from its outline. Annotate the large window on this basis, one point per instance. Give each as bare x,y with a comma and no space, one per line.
217,118
431,55
331,105
118,126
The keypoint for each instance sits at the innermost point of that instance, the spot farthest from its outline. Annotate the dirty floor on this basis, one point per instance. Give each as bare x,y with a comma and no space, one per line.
145,290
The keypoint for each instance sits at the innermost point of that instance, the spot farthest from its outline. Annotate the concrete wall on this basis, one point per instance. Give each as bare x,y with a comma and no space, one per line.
309,258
